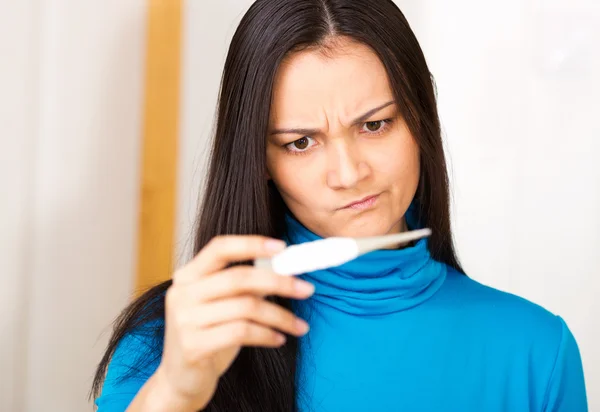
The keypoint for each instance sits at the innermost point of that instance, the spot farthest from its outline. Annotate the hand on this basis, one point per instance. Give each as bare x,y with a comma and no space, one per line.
212,311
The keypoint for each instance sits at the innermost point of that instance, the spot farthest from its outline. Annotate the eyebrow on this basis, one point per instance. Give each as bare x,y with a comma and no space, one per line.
361,119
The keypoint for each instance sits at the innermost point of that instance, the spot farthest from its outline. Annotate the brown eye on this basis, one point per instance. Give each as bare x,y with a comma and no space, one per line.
374,126
301,144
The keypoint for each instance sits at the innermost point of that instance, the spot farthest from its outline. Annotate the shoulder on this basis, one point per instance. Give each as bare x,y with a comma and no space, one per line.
514,328
134,361
509,324
522,335
485,303
141,344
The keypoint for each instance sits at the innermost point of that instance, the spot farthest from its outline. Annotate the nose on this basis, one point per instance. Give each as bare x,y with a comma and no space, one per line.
345,168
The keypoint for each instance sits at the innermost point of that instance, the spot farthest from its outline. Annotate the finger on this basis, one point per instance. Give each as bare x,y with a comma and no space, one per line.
238,333
244,280
223,250
249,308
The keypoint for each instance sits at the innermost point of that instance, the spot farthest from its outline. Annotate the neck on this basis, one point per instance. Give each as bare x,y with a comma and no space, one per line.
379,282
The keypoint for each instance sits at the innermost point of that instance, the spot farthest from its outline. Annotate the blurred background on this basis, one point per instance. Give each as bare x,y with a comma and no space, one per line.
106,113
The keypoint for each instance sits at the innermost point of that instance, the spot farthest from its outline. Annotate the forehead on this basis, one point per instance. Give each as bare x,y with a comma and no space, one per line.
348,78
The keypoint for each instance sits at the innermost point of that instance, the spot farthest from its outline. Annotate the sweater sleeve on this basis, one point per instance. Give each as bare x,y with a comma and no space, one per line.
566,387
135,360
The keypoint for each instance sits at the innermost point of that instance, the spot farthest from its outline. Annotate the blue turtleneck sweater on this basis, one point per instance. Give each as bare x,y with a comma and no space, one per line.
395,330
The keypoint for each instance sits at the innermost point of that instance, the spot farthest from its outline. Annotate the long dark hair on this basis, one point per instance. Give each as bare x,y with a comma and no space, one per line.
239,200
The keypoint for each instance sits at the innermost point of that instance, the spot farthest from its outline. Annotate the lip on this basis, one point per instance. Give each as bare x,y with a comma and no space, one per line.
363,203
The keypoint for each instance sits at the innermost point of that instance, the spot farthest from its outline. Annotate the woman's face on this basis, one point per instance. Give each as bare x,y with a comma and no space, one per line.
336,138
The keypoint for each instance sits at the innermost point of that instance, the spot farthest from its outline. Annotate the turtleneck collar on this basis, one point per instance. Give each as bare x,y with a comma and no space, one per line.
377,283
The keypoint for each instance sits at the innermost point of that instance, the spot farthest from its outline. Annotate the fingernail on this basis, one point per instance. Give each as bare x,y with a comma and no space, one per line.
304,288
301,326
280,339
274,245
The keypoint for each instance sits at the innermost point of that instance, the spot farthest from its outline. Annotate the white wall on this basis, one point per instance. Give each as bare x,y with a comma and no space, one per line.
518,89
70,114
18,82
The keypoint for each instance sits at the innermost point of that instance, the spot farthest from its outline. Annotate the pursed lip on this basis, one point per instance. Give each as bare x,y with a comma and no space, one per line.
359,201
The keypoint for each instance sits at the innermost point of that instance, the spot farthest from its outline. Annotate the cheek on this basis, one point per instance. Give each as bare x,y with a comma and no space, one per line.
294,180
397,161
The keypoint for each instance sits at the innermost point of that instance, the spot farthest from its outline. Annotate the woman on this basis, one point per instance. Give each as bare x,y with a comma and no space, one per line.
327,126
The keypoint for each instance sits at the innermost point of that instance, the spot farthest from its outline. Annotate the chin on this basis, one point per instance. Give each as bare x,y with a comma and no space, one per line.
367,227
